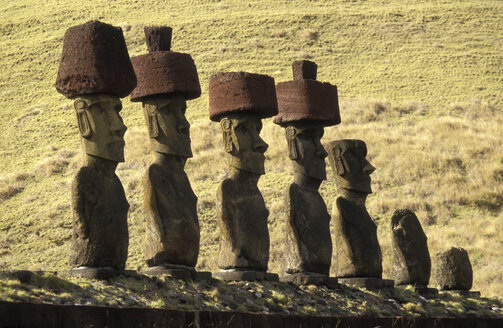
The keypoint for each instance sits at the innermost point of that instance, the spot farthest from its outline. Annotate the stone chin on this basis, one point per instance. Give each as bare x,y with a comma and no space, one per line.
316,171
360,186
113,151
184,152
256,165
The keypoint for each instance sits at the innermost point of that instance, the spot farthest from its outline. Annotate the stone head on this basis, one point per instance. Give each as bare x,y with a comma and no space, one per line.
306,150
351,168
242,141
101,126
167,126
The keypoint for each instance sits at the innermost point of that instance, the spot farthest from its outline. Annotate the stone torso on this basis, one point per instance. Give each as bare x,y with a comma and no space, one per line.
357,251
242,217
308,241
172,232
100,231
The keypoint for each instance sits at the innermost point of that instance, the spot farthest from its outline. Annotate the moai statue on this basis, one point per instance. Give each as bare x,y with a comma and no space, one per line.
166,80
239,101
410,259
453,271
357,255
305,107
95,70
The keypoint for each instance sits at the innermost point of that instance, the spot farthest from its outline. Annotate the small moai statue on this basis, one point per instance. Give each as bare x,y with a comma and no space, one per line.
357,255
239,101
305,107
95,71
453,272
410,259
166,80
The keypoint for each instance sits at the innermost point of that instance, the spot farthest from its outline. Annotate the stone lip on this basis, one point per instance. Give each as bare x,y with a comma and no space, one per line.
307,101
164,73
241,92
95,60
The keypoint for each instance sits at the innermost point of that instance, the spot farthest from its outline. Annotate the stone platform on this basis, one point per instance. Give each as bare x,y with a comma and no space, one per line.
465,293
245,276
421,290
178,272
103,273
310,279
368,283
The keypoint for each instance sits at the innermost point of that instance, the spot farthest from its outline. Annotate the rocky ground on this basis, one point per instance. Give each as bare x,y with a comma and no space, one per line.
263,297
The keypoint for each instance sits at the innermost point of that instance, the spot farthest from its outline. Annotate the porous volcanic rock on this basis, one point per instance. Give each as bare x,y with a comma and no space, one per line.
410,261
453,269
241,92
165,72
95,60
158,38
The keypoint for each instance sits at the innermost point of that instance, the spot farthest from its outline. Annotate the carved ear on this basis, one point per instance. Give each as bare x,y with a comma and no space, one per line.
82,120
339,166
153,125
226,126
293,152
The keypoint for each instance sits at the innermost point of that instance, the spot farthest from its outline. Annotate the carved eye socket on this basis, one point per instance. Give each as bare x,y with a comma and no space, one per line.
99,109
118,107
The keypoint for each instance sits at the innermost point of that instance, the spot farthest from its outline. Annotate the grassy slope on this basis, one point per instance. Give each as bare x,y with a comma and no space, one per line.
419,81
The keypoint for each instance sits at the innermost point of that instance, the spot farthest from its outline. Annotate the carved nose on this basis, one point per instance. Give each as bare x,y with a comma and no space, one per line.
260,145
117,127
321,152
368,168
182,125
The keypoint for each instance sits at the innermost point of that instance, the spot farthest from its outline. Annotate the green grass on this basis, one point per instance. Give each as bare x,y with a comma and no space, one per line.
420,81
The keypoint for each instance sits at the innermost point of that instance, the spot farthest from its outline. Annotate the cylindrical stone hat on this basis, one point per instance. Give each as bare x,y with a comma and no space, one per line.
163,72
241,92
95,60
305,100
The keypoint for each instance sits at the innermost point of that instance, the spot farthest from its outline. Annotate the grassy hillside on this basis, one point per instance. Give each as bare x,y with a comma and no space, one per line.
420,81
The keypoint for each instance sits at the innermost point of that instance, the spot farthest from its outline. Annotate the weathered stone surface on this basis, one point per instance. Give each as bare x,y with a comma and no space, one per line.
95,60
101,127
101,273
242,218
368,283
315,279
158,38
357,251
164,73
238,275
100,231
307,100
172,228
304,70
351,169
453,270
421,290
308,245
410,260
241,92
464,293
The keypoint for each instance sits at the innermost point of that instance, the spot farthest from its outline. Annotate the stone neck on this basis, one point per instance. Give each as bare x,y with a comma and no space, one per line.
306,182
101,165
357,197
244,177
173,162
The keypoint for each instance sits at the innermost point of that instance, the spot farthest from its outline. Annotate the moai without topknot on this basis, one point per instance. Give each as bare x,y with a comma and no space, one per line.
95,70
239,101
166,80
357,254
410,258
305,107
453,272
